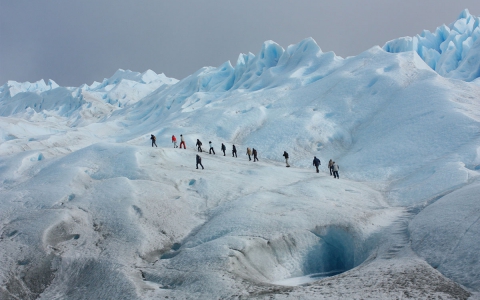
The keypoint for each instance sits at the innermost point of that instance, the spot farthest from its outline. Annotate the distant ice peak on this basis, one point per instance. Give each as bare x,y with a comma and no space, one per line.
299,64
146,77
465,14
36,87
452,51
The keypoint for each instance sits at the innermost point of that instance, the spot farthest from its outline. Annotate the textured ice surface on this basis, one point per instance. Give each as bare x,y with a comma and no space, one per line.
453,51
89,210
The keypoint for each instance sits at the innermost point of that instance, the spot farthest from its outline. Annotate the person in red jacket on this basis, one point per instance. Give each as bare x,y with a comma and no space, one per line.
174,141
182,142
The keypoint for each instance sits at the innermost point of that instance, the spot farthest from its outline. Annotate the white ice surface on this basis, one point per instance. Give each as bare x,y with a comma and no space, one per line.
88,210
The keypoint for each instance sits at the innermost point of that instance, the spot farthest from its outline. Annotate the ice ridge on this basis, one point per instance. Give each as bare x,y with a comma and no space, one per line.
453,51
300,64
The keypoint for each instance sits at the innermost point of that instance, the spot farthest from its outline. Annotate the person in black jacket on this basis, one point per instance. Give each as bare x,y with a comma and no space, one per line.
285,154
254,152
199,161
199,145
234,151
223,149
316,162
153,138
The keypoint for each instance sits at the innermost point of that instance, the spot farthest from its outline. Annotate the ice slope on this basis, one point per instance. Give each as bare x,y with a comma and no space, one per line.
443,233
453,51
89,210
389,112
141,222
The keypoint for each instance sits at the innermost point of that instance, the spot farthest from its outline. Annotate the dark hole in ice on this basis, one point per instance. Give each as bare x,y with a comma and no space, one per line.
12,233
176,246
169,255
23,262
334,254
336,251
173,251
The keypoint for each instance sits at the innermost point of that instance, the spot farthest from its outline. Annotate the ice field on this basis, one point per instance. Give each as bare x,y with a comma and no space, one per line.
89,210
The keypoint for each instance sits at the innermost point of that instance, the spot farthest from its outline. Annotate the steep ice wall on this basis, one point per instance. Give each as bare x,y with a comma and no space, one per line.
453,51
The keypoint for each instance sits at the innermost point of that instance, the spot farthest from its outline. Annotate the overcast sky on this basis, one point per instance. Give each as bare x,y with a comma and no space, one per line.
81,41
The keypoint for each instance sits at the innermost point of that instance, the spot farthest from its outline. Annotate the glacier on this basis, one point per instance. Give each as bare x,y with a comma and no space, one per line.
452,51
89,210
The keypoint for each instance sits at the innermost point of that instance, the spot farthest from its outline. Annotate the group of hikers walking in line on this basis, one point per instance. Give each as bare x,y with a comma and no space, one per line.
250,152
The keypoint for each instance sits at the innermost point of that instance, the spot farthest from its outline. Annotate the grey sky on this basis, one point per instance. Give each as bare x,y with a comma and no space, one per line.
81,41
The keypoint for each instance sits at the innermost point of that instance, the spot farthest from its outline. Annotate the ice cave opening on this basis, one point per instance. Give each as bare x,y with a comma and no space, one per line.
337,250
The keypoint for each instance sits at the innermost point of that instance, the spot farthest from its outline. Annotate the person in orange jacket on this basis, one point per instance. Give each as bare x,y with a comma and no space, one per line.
174,141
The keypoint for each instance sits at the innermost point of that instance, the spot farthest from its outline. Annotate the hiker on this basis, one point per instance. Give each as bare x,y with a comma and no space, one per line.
182,142
174,141
249,153
211,148
234,151
153,138
335,170
254,152
199,145
330,167
316,162
223,149
285,154
199,161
